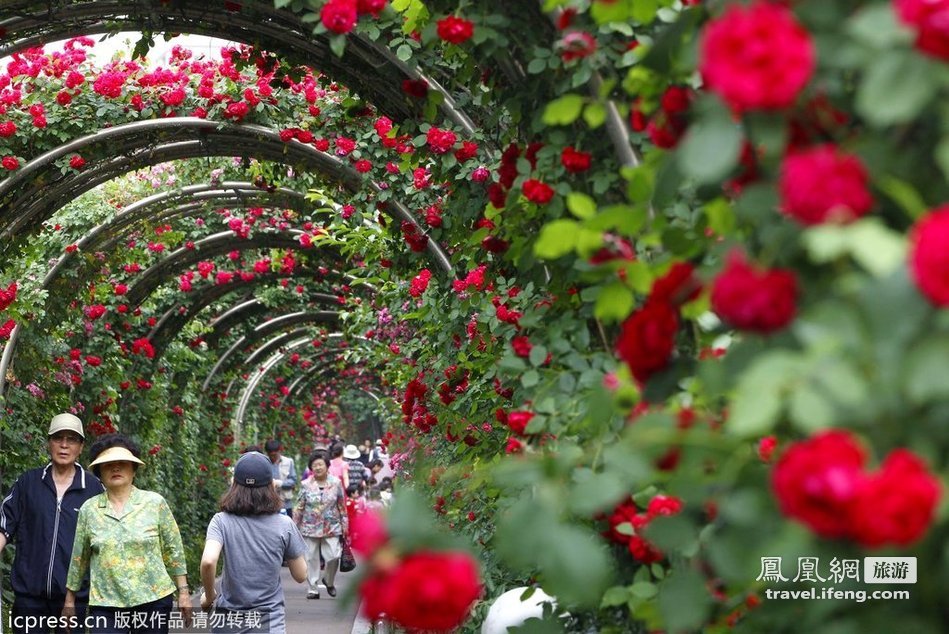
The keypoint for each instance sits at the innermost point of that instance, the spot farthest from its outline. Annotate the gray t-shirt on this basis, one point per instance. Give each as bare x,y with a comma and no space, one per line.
255,547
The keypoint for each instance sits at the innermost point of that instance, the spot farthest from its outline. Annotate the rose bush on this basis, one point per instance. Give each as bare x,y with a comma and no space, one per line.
598,347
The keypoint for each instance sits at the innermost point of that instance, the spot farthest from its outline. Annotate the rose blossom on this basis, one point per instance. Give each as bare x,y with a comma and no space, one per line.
823,184
339,16
537,192
756,57
574,160
647,339
896,504
929,255
752,299
930,20
454,29
817,480
425,591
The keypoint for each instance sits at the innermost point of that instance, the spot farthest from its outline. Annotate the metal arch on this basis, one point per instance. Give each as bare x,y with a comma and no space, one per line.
239,192
215,137
259,374
374,72
265,329
275,343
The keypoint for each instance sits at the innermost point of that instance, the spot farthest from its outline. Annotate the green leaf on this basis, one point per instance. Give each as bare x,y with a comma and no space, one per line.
563,111
538,355
594,492
614,303
338,44
942,156
537,66
556,239
530,378
683,601
617,595
877,26
758,398
712,145
874,246
721,216
924,377
904,195
581,205
594,114
644,11
404,52
895,88
809,410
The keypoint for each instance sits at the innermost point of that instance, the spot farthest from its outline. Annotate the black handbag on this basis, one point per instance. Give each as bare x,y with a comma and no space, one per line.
347,561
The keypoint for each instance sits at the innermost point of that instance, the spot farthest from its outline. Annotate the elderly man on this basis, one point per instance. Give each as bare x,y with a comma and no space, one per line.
40,513
284,474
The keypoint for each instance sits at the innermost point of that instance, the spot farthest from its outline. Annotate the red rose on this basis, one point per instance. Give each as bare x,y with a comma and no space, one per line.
440,141
237,110
896,505
522,346
756,57
766,448
678,286
930,20
518,421
468,150
513,446
420,283
10,162
362,166
537,192
426,591
339,16
454,29
7,129
369,532
647,339
816,481
7,328
762,301
417,88
370,6
8,296
77,162
576,45
823,184
574,160
929,255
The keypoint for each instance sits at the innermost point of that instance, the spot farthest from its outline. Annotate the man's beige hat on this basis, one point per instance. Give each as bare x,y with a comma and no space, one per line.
115,454
65,422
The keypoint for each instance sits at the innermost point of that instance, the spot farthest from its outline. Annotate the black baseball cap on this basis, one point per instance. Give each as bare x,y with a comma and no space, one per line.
253,470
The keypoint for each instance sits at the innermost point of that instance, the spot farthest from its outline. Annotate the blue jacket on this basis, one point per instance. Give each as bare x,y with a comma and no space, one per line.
44,530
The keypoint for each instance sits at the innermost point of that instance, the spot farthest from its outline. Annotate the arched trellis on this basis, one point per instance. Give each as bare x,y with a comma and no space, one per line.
264,330
372,71
34,192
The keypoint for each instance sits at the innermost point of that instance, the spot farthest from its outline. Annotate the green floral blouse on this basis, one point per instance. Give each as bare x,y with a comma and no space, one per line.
132,558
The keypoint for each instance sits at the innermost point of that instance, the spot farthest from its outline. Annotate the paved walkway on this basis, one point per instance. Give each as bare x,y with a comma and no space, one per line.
325,615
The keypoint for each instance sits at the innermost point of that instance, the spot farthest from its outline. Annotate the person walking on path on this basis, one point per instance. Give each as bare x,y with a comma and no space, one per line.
359,474
320,512
128,540
339,467
40,514
284,473
256,539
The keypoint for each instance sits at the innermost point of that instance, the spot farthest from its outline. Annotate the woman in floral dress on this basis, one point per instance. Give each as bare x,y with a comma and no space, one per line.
320,513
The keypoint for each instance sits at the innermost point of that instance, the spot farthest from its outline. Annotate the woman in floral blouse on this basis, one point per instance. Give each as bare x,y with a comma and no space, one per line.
320,512
128,540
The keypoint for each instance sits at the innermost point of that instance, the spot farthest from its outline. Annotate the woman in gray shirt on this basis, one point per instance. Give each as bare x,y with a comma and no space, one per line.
256,539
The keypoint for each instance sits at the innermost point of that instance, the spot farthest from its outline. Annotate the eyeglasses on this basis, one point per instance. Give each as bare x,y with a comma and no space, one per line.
69,439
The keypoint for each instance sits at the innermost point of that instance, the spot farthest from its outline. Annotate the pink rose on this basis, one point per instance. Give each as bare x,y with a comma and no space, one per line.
756,57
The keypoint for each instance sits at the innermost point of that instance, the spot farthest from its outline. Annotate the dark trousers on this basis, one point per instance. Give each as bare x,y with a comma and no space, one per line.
148,618
32,615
